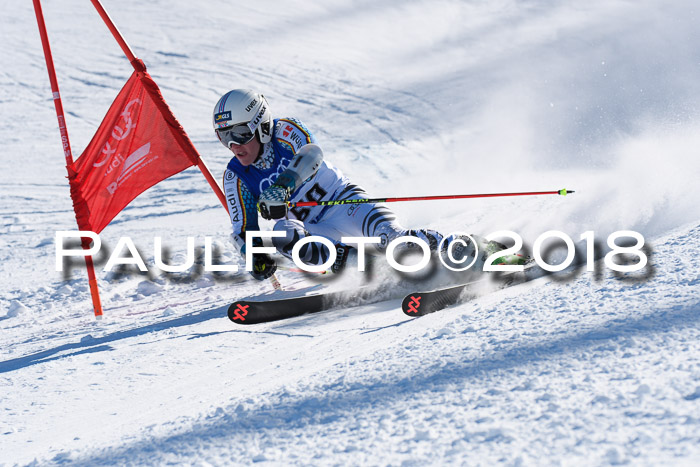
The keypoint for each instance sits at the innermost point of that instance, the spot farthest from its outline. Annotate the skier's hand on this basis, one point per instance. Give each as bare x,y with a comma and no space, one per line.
263,266
273,202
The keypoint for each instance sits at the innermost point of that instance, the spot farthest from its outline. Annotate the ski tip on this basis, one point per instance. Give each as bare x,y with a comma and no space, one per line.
411,304
238,311
565,192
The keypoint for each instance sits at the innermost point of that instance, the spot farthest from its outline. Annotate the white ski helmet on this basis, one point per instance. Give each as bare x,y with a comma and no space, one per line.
239,114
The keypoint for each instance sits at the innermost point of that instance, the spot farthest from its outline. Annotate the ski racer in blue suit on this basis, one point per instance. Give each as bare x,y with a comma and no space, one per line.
279,160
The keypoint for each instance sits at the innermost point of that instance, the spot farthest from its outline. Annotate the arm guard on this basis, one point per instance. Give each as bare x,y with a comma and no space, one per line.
305,164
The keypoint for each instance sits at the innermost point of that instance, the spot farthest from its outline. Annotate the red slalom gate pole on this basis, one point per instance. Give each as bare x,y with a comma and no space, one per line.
138,66
94,291
562,192
115,32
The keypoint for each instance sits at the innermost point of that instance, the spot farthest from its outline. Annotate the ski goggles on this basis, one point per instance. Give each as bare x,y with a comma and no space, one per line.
237,134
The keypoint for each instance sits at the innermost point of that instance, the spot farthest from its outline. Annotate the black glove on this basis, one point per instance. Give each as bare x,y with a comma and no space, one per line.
263,266
273,202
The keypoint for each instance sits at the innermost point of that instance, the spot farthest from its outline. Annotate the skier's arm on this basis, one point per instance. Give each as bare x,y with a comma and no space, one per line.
304,165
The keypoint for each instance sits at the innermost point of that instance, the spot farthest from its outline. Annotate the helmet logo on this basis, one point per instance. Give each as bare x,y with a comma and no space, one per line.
251,105
254,124
221,119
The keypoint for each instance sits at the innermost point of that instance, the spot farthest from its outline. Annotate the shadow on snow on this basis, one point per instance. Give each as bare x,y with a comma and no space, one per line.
291,412
90,344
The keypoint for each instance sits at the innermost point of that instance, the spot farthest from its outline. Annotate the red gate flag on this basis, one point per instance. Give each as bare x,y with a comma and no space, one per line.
138,144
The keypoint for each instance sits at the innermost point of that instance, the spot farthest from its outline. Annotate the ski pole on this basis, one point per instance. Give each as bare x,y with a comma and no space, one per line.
562,192
286,268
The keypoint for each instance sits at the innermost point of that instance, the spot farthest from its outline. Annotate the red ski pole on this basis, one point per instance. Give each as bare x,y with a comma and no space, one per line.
562,192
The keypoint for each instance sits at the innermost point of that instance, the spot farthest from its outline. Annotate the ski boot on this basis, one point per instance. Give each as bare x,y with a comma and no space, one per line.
343,254
493,247
347,257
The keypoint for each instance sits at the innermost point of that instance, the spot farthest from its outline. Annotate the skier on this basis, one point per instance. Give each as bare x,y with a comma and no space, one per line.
278,160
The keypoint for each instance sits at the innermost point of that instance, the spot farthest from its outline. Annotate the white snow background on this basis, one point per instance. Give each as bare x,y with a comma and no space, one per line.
407,98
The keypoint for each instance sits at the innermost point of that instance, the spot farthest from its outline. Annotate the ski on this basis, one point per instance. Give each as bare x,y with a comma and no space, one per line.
425,302
255,311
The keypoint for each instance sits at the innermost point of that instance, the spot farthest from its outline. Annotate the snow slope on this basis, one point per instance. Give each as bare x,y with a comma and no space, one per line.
406,98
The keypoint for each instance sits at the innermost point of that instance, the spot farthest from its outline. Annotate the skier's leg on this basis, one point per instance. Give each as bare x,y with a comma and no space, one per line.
313,253
366,220
375,220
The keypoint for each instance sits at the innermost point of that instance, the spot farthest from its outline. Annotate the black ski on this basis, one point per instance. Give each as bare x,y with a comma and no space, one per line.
262,311
423,303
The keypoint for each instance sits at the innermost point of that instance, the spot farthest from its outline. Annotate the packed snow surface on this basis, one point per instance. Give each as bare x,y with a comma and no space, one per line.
407,98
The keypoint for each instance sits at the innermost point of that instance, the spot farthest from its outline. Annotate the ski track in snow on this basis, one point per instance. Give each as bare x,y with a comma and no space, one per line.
407,99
